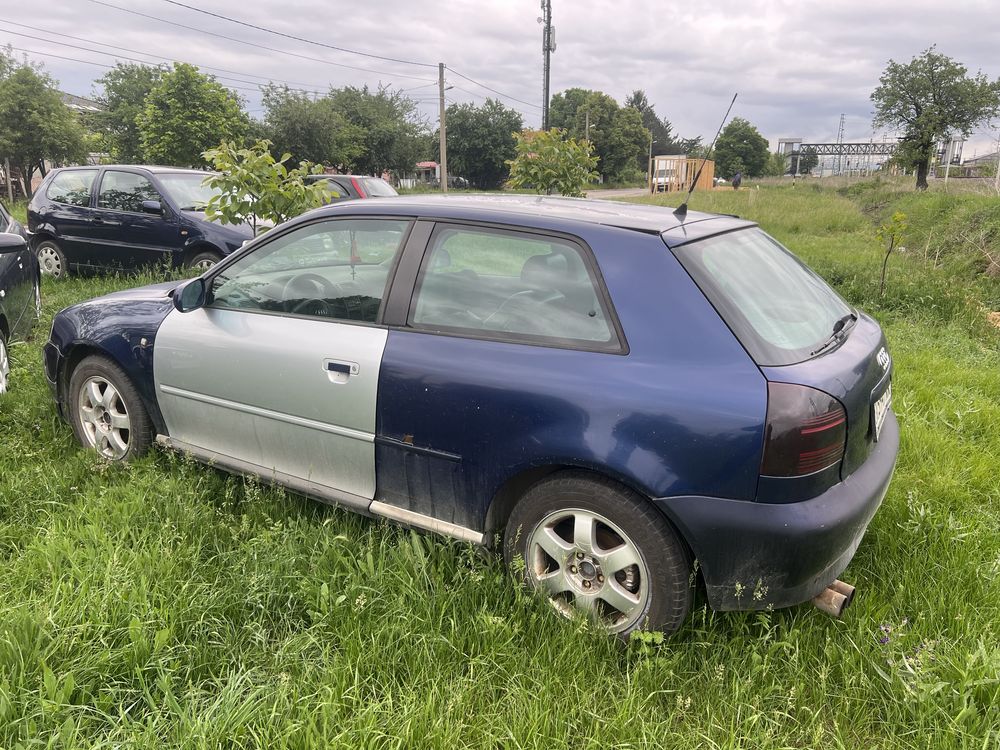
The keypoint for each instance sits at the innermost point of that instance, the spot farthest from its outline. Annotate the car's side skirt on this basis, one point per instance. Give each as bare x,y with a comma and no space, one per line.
321,492
238,466
412,518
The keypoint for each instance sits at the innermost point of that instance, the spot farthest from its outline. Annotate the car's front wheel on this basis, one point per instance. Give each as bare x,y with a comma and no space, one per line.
107,413
203,260
52,259
596,548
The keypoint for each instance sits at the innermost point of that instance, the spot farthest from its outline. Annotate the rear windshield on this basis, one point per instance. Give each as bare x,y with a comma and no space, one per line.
780,310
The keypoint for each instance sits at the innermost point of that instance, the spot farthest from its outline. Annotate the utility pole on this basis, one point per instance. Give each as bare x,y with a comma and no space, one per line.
10,187
586,127
443,166
548,47
996,180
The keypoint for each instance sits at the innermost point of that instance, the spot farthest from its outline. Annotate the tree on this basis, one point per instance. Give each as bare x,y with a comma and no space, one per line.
35,125
741,148
187,113
123,98
804,161
930,98
387,120
548,162
251,185
481,142
618,135
309,129
664,140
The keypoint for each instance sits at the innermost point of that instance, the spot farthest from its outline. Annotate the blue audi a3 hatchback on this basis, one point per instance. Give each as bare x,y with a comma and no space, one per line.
623,401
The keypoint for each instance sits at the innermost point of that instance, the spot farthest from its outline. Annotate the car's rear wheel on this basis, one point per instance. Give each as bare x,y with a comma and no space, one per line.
107,413
203,260
598,549
52,259
4,364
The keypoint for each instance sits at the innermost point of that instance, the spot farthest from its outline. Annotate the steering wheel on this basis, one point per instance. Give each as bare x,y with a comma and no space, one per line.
518,312
312,293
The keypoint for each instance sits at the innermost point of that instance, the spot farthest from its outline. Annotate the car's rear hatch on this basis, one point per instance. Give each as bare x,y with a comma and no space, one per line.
798,331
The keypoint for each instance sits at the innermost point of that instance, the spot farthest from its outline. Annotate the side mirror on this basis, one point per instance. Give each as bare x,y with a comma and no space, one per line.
12,243
152,207
191,296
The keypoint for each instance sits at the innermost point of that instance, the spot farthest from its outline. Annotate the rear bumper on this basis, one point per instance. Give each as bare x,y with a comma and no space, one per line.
760,555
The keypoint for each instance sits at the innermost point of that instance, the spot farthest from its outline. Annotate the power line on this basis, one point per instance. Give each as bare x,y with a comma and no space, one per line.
255,44
299,38
21,34
150,54
483,85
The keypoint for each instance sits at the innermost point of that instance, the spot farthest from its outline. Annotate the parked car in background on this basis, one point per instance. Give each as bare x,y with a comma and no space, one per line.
616,392
123,217
20,296
346,187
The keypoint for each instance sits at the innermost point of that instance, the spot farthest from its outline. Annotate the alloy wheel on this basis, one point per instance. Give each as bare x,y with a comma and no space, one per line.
586,564
104,418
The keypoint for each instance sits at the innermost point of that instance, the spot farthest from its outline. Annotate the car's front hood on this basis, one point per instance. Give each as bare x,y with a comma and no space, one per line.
150,292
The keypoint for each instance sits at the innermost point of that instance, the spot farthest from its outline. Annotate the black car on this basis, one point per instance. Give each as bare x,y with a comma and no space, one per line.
345,187
20,300
125,217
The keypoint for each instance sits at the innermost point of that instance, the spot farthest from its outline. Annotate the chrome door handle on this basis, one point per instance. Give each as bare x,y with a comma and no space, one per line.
339,370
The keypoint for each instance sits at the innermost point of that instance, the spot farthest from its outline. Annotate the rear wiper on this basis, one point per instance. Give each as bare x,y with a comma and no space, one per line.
838,333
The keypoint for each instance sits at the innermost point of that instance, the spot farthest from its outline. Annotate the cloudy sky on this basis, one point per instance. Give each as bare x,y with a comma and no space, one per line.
797,64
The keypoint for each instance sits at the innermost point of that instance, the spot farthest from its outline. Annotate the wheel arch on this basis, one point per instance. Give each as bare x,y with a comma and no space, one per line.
514,488
79,352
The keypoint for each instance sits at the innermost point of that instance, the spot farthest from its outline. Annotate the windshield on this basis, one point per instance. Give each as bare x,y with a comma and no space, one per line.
779,309
186,190
376,187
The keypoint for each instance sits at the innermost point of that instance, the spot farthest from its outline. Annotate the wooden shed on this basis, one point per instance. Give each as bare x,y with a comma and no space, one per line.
673,172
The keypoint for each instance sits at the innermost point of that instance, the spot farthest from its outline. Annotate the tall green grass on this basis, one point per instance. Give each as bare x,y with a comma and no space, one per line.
165,604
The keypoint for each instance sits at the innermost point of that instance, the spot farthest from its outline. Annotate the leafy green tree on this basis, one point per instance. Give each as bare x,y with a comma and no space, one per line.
252,186
391,136
123,97
741,148
664,139
930,98
549,162
481,142
310,129
804,161
35,125
619,137
777,165
187,113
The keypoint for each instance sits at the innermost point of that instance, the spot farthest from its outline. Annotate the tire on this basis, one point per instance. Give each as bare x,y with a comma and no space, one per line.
106,411
203,260
51,259
630,571
38,298
4,364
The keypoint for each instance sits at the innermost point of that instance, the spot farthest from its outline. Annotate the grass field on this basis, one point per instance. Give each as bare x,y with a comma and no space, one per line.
164,604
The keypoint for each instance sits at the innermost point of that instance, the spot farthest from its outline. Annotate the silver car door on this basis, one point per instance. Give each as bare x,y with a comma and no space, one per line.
278,373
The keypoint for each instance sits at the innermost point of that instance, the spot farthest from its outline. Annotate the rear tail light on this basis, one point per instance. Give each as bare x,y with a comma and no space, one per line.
806,431
357,186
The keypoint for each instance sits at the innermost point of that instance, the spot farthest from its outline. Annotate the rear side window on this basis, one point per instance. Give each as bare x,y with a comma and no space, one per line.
511,286
125,191
375,187
72,187
780,309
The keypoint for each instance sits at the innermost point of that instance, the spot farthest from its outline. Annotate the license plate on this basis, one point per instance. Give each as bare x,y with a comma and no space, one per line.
881,408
